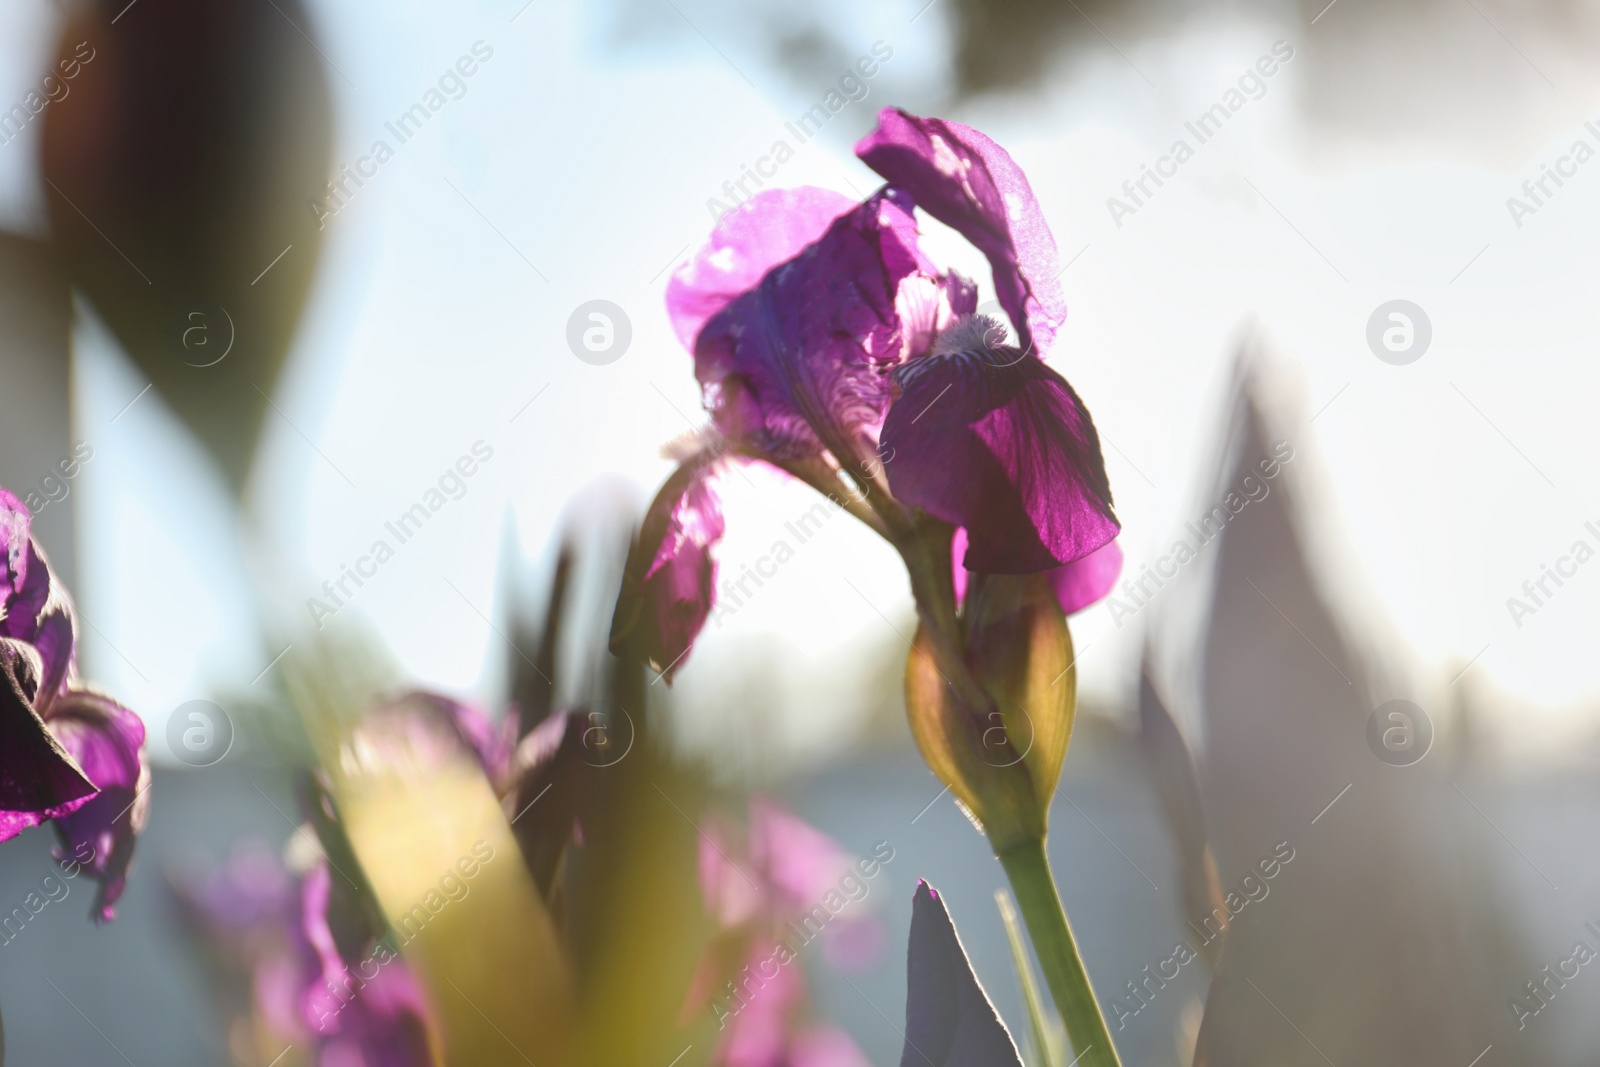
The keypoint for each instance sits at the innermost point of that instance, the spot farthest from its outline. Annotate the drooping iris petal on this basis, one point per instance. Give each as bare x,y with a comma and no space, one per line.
39,779
1086,581
36,607
767,229
965,180
1000,444
796,364
949,1020
107,741
1077,585
669,583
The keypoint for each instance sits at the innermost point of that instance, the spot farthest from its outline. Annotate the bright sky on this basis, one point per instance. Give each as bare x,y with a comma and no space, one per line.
577,166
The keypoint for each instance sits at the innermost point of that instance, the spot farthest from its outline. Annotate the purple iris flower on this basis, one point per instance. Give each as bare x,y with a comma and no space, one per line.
830,346
66,753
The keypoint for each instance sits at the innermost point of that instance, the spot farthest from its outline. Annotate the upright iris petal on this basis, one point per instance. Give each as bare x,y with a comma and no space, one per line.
1000,444
965,180
768,229
669,583
796,364
107,740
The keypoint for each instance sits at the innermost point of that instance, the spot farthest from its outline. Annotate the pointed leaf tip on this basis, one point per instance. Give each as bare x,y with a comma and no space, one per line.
949,1020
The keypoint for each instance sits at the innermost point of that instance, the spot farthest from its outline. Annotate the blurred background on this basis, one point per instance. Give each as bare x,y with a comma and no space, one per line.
263,339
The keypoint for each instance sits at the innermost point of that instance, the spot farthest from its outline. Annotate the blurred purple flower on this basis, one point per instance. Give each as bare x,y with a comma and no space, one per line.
949,1020
366,1012
342,994
829,345
66,753
765,888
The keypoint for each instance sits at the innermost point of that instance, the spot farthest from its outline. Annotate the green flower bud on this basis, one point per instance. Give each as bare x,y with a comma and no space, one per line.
995,727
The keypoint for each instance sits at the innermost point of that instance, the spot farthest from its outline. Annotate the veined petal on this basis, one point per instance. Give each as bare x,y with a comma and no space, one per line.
39,779
797,364
999,443
107,740
965,180
949,1020
669,583
768,229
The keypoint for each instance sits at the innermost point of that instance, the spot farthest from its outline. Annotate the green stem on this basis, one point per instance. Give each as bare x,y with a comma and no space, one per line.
1029,872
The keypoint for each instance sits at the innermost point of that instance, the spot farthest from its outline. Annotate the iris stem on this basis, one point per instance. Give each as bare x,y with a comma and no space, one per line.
1029,871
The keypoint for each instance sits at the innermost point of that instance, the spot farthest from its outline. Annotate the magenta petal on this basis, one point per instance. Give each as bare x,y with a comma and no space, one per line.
377,1021
1077,584
798,362
1086,581
16,524
769,228
1005,449
36,606
800,862
107,740
965,180
949,1020
669,584
39,779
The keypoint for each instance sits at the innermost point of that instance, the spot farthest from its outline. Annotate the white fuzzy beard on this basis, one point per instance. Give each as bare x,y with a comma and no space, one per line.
970,334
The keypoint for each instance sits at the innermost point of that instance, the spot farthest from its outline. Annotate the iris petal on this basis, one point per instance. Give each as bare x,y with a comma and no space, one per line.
669,584
1088,580
764,231
37,608
1077,585
39,779
1001,445
965,180
107,741
797,363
